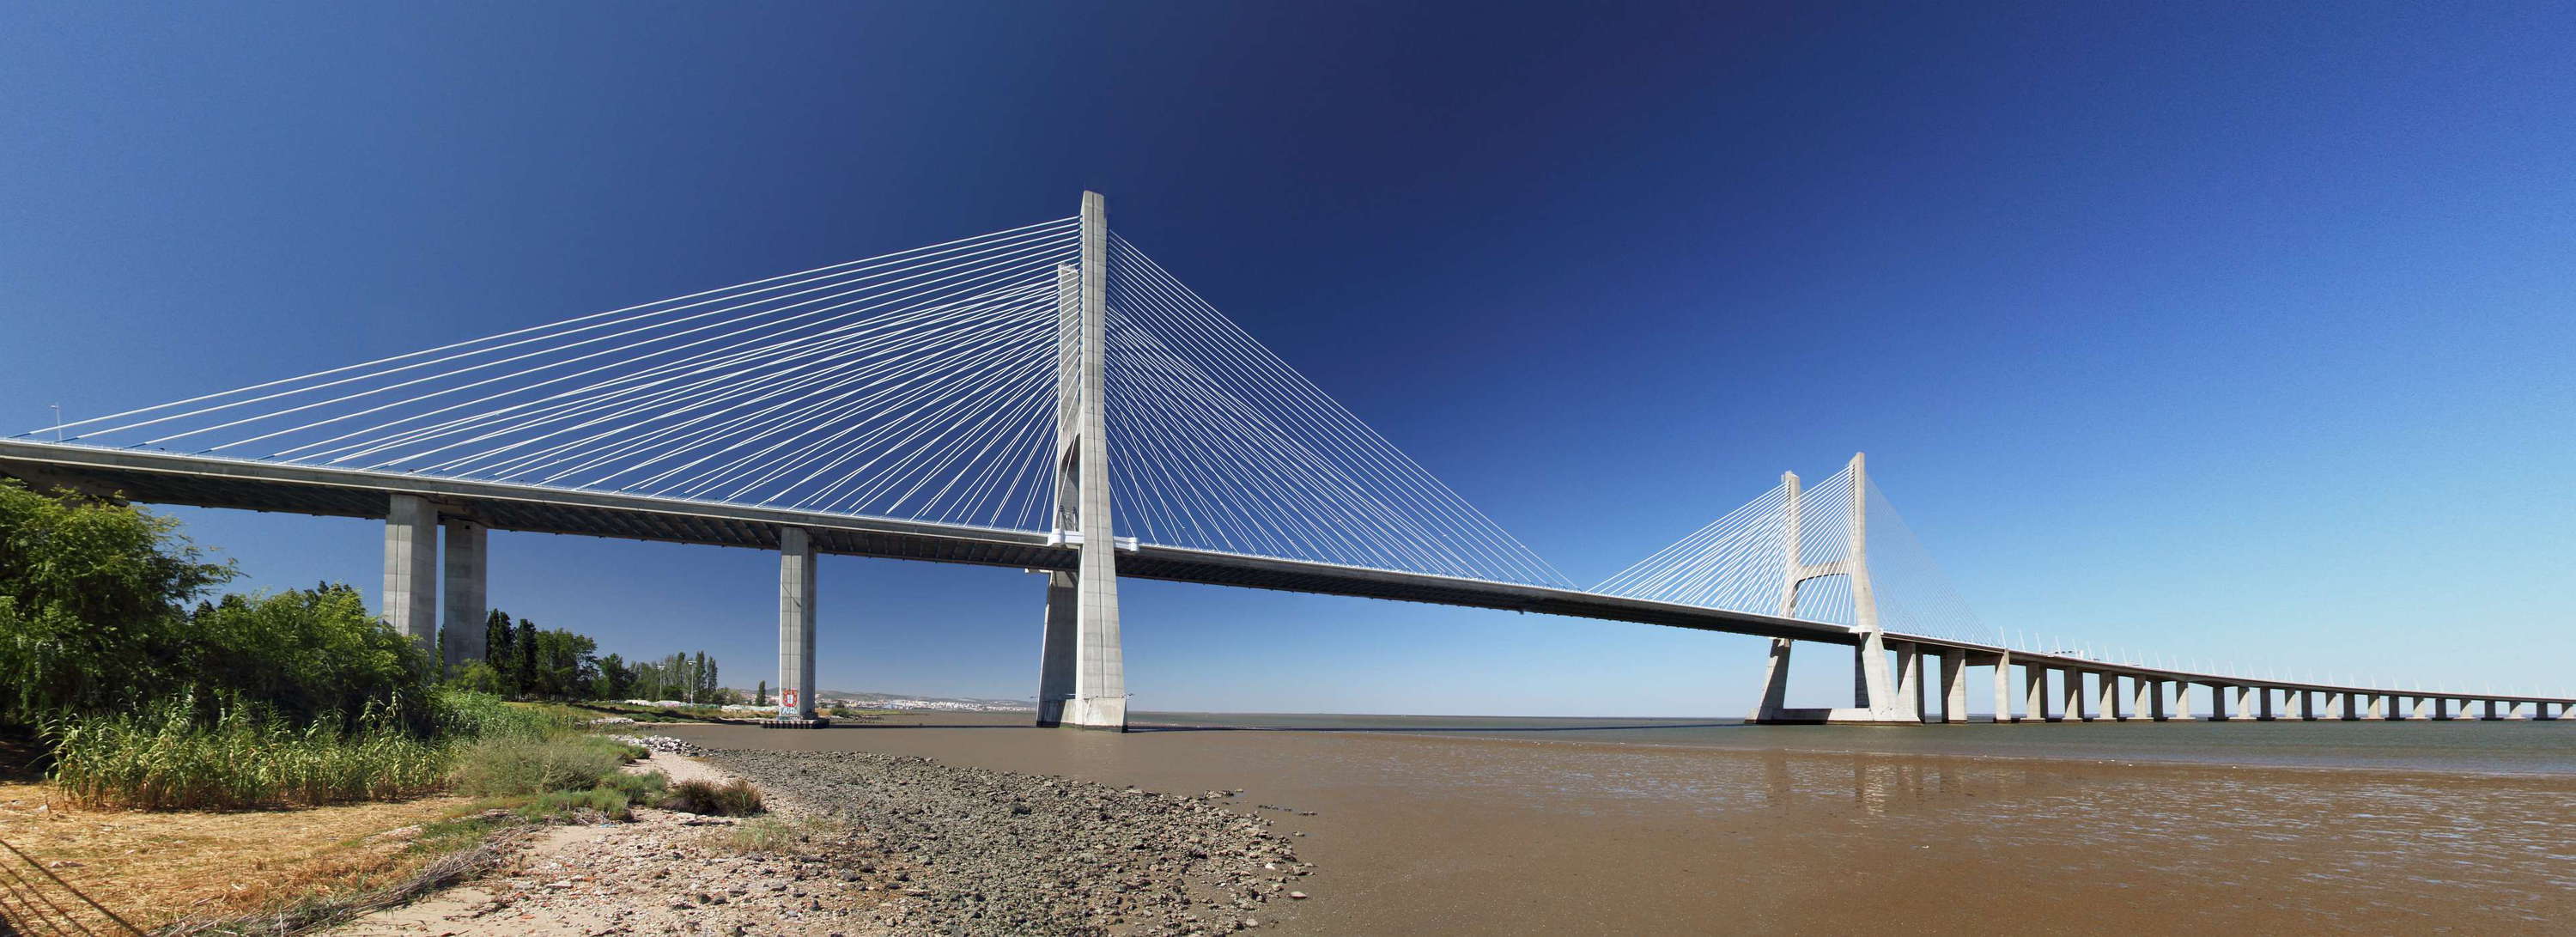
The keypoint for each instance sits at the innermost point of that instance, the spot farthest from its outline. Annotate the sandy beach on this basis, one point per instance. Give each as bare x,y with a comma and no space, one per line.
1423,833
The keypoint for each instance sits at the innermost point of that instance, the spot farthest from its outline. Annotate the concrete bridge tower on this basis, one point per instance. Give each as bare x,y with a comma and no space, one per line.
1082,674
1874,694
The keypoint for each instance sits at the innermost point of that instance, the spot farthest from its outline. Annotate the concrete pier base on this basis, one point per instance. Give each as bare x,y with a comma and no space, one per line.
1909,682
1954,685
796,594
2003,687
2239,702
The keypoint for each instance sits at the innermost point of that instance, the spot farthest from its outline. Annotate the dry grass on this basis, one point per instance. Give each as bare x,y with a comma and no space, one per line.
156,867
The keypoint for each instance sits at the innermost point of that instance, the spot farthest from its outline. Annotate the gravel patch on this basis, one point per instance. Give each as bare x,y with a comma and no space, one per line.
970,851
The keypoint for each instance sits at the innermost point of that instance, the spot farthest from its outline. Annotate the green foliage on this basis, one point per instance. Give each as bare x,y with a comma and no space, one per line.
90,597
169,755
578,806
466,714
731,799
505,767
305,652
644,788
477,677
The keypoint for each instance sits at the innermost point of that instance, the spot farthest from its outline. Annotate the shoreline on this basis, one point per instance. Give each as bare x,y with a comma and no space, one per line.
1413,833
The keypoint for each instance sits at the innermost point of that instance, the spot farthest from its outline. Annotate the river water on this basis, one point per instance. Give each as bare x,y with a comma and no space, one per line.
1623,826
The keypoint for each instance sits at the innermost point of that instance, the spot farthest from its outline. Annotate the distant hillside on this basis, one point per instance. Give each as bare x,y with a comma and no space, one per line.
917,701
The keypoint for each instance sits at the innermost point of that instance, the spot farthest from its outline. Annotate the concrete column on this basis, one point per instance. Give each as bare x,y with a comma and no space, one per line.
2442,708
2003,687
2151,692
411,569
2106,696
2351,706
2071,684
1099,660
2181,710
2513,712
1954,685
464,599
796,594
2375,706
2239,702
2142,704
2417,708
2263,710
2543,712
1909,681
1055,654
2034,688
2490,712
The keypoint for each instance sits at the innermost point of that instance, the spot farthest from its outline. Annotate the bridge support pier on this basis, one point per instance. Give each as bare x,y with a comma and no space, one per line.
796,595
2239,702
2003,687
2441,708
2180,710
2034,688
2144,704
2263,705
2070,686
1909,681
1954,685
465,598
411,569
2106,696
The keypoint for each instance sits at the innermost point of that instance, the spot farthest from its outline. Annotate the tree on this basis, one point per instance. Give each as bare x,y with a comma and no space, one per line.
762,697
91,601
500,650
615,679
525,667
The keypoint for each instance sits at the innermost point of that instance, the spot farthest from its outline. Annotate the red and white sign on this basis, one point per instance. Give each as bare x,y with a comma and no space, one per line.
787,699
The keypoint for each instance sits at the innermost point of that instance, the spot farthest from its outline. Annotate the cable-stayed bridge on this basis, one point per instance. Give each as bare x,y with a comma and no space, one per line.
1048,398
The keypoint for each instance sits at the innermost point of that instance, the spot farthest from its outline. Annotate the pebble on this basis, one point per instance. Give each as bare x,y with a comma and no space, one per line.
997,853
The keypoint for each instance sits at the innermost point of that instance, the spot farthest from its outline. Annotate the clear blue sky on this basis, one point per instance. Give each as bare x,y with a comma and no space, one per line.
2230,330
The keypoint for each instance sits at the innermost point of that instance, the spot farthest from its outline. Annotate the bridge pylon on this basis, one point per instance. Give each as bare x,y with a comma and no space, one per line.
1082,673
1874,695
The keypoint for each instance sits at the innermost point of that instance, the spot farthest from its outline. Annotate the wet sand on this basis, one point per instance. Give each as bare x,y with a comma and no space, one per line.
1468,834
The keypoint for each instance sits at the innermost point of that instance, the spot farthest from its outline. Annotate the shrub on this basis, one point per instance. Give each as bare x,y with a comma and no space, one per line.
732,799
511,766
641,788
469,714
598,803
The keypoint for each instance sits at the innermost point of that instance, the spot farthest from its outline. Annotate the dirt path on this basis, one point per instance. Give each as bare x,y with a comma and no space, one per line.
664,873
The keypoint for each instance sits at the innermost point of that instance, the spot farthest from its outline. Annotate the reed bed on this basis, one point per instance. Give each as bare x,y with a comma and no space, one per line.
170,756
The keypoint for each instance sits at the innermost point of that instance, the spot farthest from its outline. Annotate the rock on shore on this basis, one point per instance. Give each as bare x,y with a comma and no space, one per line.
972,851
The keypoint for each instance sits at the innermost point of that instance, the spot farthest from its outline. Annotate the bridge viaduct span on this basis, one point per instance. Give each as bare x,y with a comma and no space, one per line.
645,423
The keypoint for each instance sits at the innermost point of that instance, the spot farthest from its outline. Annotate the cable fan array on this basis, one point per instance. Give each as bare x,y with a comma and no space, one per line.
917,385
1220,445
1740,562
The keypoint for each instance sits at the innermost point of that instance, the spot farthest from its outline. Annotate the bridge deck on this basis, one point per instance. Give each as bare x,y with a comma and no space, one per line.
205,481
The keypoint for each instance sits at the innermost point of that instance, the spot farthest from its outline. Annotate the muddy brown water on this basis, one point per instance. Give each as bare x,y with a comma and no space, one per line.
1493,827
